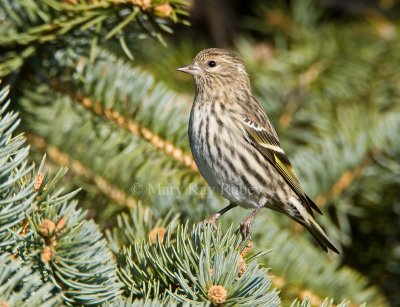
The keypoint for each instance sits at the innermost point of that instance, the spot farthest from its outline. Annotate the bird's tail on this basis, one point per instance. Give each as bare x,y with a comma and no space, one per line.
316,231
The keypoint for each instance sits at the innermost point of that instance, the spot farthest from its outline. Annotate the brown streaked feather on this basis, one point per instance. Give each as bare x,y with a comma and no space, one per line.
267,143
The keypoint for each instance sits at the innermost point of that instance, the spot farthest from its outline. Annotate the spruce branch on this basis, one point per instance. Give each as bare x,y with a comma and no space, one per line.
42,226
124,302
50,19
343,183
17,194
74,254
188,263
139,96
138,225
307,270
113,193
20,285
309,302
168,148
54,23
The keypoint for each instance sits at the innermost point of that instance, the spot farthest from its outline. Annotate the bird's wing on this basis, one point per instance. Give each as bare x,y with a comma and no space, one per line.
267,143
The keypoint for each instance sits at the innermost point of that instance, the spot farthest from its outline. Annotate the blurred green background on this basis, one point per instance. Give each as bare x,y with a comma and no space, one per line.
111,107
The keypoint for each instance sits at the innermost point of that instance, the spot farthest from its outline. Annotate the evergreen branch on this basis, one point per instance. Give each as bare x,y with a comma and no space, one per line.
120,106
306,270
61,158
197,266
58,19
376,145
123,302
48,232
305,79
140,224
340,186
166,147
53,23
138,228
311,301
17,194
73,254
21,286
12,61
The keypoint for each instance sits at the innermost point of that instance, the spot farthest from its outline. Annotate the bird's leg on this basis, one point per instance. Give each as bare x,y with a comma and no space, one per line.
245,225
213,218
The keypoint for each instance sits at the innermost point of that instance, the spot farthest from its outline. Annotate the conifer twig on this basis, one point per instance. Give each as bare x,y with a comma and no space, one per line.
61,158
344,181
304,81
168,148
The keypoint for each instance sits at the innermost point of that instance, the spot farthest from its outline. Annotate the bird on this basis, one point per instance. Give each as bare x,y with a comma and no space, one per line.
236,148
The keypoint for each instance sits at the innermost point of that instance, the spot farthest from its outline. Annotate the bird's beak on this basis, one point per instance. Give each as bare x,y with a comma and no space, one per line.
191,69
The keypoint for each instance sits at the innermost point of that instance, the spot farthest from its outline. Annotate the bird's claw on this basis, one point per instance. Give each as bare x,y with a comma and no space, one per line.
211,221
245,228
245,225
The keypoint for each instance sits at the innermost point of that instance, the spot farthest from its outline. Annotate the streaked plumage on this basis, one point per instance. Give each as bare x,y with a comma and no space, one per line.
237,149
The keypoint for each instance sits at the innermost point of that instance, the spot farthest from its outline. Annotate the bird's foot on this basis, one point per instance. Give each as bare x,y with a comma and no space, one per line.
245,227
212,220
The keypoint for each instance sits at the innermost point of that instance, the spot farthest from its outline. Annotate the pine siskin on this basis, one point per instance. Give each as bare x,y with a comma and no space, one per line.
237,149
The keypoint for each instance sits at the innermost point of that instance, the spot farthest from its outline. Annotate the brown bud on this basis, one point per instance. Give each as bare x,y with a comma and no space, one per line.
108,113
46,228
242,266
98,109
61,223
52,241
163,10
143,4
87,102
247,249
160,231
25,228
46,255
133,128
38,182
146,134
217,294
120,119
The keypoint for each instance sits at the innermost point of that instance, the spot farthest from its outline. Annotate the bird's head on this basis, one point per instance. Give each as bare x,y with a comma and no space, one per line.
217,71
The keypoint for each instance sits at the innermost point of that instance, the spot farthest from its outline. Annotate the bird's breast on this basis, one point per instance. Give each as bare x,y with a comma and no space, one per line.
222,154
205,142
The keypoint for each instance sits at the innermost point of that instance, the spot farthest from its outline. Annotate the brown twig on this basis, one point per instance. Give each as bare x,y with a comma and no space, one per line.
304,81
344,181
168,148
61,158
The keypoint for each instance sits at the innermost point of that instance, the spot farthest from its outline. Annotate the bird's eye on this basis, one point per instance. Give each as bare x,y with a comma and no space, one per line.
212,63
